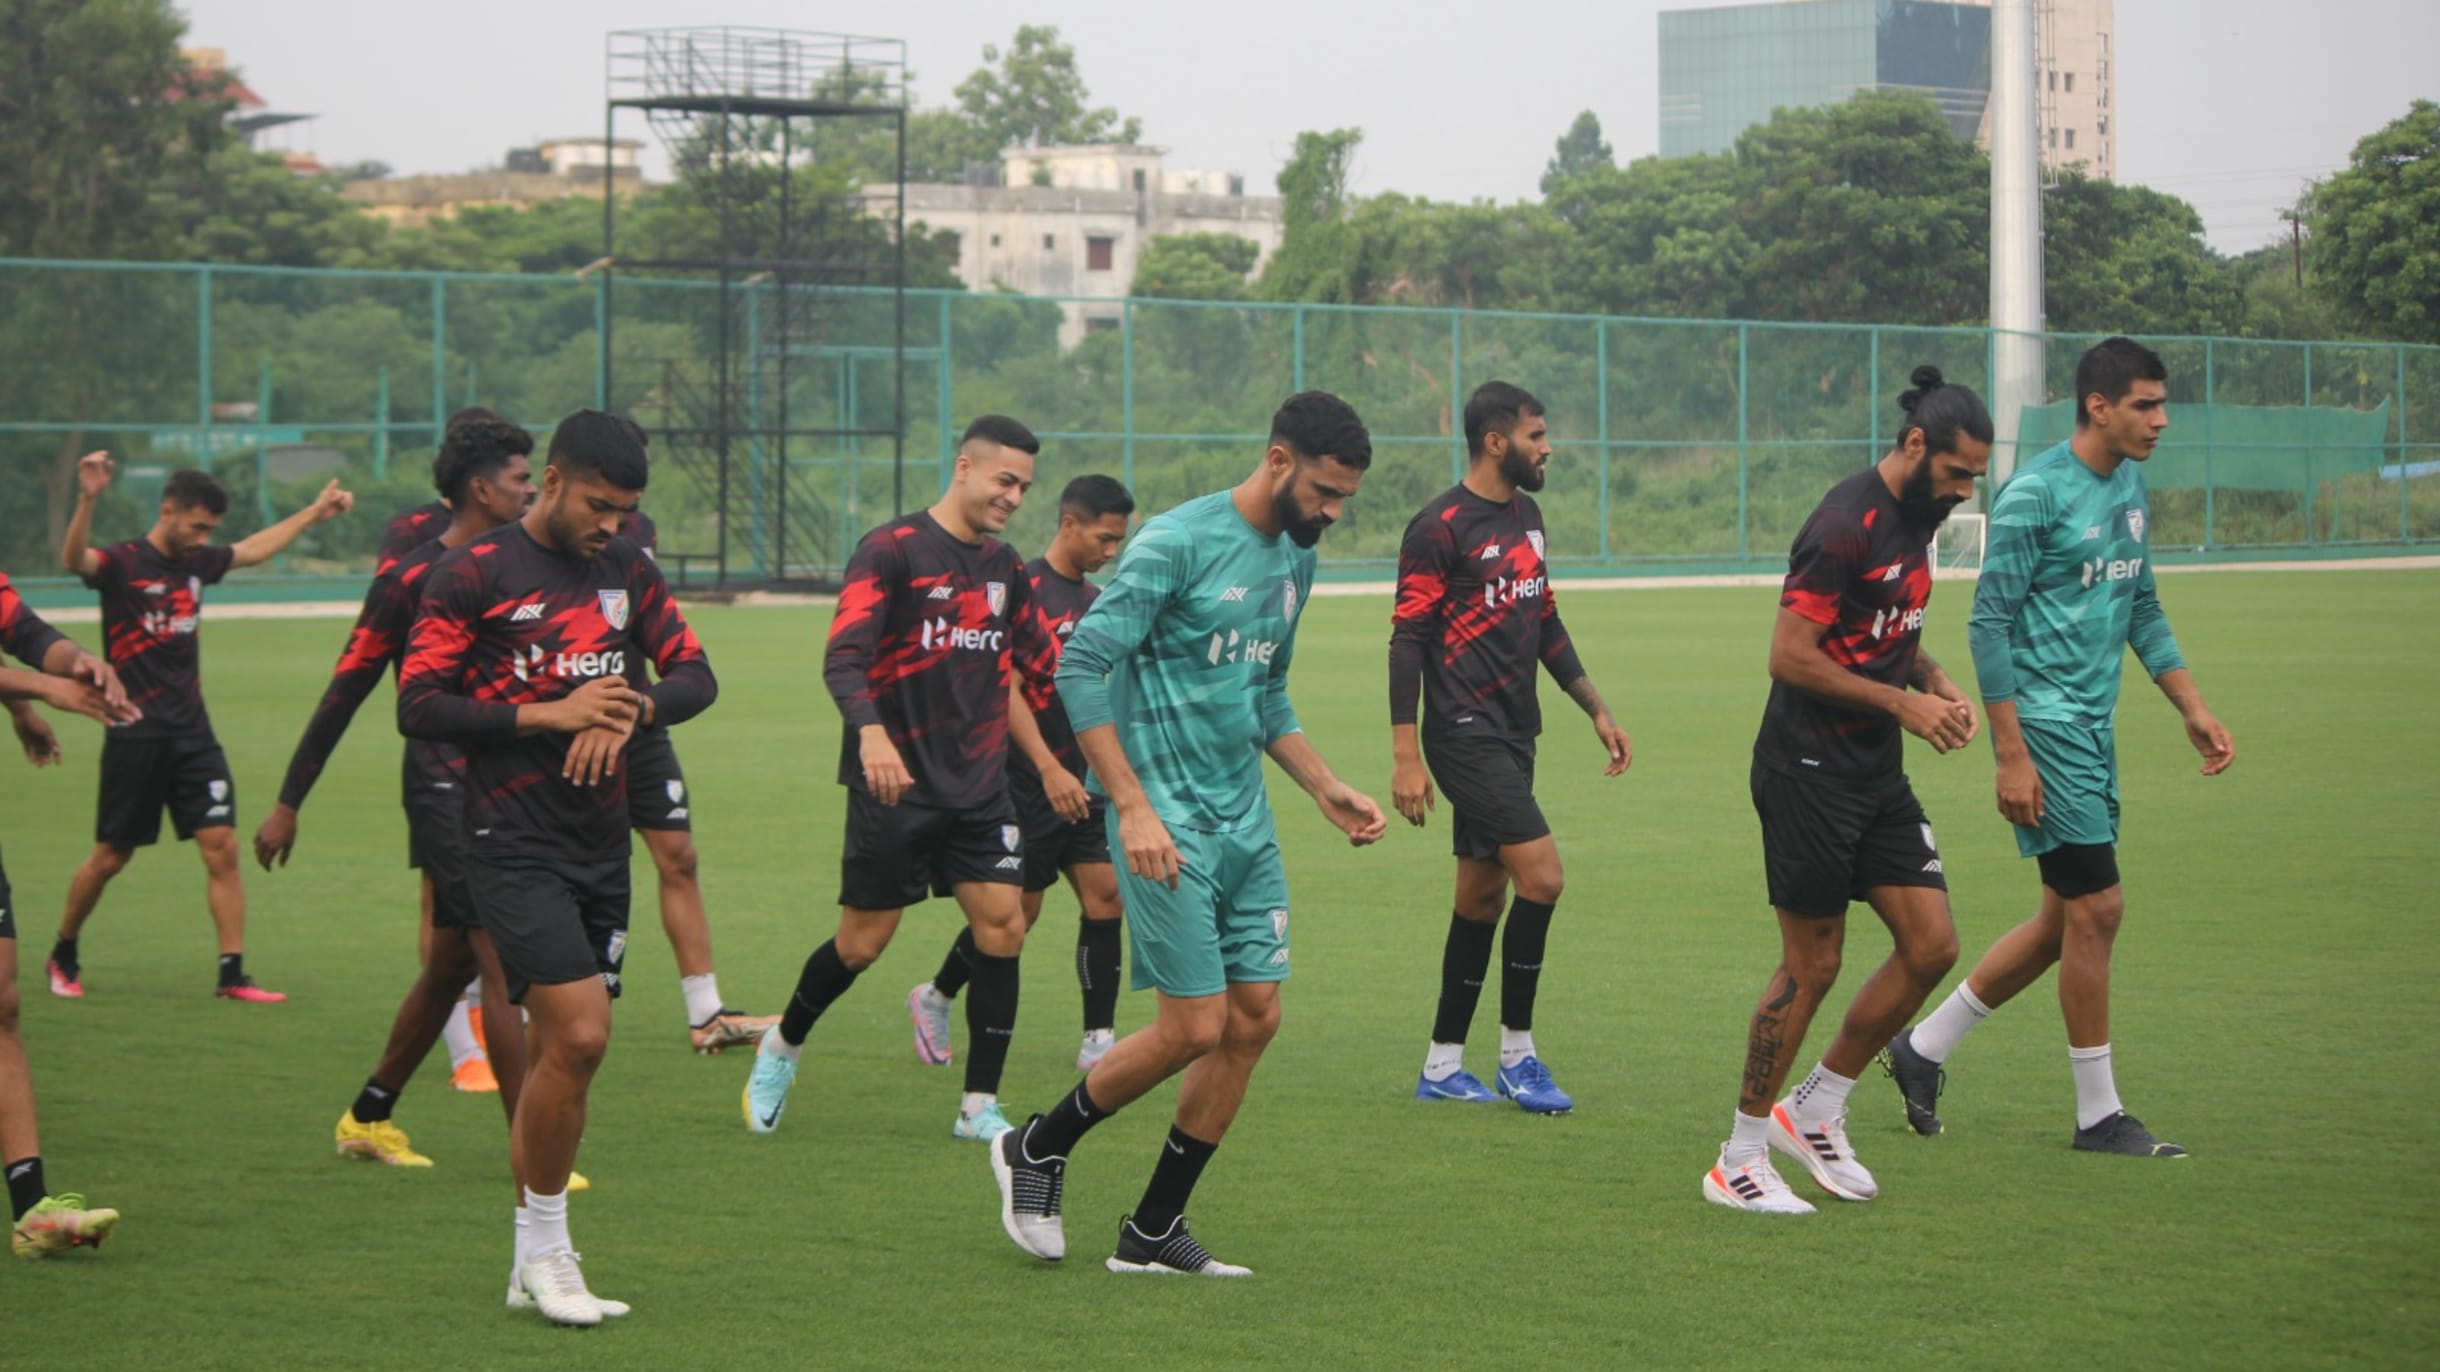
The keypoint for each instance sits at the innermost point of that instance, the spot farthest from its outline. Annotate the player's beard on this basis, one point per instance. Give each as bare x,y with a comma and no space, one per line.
1919,507
1304,531
1523,471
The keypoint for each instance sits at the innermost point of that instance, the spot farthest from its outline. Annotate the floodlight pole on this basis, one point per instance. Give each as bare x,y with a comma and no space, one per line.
2016,231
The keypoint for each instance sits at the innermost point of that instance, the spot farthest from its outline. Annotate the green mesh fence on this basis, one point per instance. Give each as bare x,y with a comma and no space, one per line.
1679,443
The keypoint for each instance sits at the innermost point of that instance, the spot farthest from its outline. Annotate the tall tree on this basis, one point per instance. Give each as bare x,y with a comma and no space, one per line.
2375,230
1031,95
1581,149
1318,246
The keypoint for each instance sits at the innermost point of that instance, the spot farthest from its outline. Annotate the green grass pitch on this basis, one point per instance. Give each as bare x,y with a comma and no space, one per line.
2274,1012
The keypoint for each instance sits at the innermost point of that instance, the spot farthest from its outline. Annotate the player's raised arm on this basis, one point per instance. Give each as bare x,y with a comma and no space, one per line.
266,544
76,554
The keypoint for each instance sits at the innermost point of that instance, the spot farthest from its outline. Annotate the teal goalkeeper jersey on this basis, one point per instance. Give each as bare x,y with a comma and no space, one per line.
2066,588
1187,653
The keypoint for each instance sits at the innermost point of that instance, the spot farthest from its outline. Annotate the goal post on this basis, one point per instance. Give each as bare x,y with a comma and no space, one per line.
1957,548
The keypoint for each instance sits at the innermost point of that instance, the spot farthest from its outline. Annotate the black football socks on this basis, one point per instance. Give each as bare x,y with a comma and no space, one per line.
826,977
1464,961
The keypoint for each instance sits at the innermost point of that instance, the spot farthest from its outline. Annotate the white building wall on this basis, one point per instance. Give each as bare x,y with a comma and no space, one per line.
1038,239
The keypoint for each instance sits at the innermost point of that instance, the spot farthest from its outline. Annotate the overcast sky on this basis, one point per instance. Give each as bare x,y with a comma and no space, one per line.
2230,104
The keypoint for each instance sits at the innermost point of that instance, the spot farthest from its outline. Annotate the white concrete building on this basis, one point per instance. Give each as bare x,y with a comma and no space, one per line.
1072,221
2075,84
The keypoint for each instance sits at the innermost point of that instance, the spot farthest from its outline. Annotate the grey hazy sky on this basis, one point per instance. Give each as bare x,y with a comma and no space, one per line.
2231,104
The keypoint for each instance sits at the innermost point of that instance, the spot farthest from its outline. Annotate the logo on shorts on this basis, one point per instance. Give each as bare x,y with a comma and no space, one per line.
1933,867
677,792
1928,845
2135,523
1534,537
996,592
1012,838
1280,958
219,790
614,608
1009,864
1279,925
616,951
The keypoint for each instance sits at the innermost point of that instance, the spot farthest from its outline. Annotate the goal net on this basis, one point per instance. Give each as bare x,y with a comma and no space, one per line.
1957,549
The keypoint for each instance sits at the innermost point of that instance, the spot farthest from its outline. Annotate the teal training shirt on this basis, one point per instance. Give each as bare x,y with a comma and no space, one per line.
1187,653
2066,588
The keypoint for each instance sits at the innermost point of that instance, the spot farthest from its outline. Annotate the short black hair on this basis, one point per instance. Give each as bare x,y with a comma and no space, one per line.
1942,410
592,443
477,443
191,488
1093,496
1495,407
1000,429
1317,424
642,439
2112,367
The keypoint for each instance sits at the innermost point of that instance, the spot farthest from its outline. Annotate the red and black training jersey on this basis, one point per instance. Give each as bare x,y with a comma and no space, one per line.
1859,570
23,634
1057,604
377,644
152,609
505,622
1475,612
409,530
926,634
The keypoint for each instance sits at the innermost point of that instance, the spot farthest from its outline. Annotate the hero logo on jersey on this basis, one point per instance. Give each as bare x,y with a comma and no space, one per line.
614,608
534,662
2135,524
1502,590
1231,647
2102,569
996,593
1896,621
945,633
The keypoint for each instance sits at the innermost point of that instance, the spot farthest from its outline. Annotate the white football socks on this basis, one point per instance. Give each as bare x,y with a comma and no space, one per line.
702,998
1443,1061
773,1044
459,1033
1941,1031
1749,1138
1821,1095
1516,1045
2096,1085
546,1221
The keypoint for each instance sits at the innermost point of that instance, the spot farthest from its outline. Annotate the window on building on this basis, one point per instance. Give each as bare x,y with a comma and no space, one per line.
1139,180
2054,138
2071,139
1049,242
2105,42
995,240
1098,252
955,243
2053,78
2103,128
2071,83
1101,324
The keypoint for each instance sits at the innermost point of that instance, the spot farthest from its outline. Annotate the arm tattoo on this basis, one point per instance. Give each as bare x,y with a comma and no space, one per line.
1589,700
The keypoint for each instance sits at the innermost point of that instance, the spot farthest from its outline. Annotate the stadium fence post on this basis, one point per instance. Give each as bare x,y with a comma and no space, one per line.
203,354
440,356
1601,392
1457,387
1126,390
2210,422
381,423
1744,542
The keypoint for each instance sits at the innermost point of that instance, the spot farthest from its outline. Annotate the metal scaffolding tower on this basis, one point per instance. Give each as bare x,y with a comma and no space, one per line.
742,115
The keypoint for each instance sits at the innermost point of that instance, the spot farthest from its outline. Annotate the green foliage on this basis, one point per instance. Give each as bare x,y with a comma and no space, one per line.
1031,95
1195,266
1316,260
2113,254
2375,230
1581,149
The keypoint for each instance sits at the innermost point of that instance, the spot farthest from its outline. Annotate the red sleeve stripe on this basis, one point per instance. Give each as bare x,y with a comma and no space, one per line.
1419,596
1818,606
